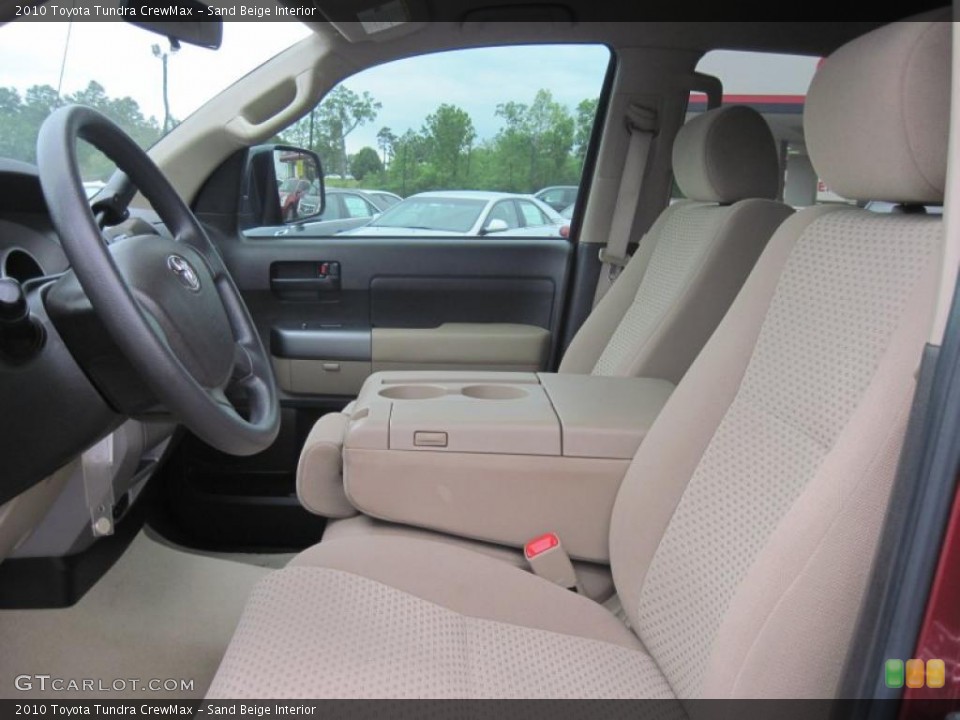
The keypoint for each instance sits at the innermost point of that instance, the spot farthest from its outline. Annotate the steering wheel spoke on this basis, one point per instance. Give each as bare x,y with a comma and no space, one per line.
242,365
197,239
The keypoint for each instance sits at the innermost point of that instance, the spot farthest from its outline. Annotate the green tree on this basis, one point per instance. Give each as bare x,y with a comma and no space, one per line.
386,141
409,157
449,136
22,116
513,147
13,141
298,134
586,115
553,131
535,142
540,143
365,162
341,112
325,129
307,133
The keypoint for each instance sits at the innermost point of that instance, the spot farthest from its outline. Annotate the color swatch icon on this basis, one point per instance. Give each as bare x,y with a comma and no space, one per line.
893,673
915,673
936,674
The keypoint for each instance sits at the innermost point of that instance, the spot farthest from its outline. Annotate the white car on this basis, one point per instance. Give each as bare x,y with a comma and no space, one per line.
469,213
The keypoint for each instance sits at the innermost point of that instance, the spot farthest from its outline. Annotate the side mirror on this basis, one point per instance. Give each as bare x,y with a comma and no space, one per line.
496,225
281,185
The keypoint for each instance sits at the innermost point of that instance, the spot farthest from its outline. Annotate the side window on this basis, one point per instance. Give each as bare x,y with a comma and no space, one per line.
559,198
532,215
333,211
505,211
433,144
553,197
357,207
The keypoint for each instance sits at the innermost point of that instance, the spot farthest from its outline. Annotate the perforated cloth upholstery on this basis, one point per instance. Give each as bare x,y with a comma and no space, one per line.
852,283
418,619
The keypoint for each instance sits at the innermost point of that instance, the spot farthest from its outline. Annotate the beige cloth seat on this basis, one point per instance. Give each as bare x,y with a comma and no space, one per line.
744,532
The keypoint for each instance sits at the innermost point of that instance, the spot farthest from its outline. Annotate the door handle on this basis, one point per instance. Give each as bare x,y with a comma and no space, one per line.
304,280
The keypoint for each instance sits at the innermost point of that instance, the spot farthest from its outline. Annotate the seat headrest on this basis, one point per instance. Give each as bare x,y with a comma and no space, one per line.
877,115
725,155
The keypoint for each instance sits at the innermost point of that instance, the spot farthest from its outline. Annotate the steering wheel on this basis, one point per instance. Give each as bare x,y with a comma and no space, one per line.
169,305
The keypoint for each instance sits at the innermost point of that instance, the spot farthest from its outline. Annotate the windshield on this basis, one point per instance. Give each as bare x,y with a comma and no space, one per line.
131,75
447,214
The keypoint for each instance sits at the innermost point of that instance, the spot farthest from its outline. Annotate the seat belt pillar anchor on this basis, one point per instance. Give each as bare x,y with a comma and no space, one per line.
642,119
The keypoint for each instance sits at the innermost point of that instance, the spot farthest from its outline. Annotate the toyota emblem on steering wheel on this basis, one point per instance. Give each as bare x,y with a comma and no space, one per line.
185,273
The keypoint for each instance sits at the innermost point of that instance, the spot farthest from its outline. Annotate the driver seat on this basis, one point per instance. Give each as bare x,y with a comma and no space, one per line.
748,521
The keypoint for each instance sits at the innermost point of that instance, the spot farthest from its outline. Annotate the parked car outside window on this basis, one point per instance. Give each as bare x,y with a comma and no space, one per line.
469,213
558,197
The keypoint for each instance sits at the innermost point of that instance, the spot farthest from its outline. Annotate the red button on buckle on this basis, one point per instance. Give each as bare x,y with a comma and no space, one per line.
540,545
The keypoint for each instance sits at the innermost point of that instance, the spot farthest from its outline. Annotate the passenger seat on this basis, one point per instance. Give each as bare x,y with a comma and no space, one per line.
672,295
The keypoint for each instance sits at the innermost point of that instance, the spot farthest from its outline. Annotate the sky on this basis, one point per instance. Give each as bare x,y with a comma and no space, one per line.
119,56
477,81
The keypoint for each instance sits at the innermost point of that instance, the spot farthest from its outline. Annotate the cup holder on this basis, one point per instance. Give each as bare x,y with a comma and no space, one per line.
494,392
412,392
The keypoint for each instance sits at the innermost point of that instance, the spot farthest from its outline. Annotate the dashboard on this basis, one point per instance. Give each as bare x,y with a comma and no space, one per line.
52,409
29,247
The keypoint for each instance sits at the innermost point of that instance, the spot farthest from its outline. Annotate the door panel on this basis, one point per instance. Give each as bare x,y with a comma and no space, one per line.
317,303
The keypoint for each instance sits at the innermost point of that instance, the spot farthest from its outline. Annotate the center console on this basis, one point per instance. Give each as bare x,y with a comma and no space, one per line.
500,457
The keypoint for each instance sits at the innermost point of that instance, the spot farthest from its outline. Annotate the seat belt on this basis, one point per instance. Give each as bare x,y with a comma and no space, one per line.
642,124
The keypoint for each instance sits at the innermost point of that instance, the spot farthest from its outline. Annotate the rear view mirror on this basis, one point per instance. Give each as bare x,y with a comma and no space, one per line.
200,29
282,185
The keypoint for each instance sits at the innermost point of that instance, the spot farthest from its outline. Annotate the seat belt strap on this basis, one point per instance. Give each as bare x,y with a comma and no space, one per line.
642,124
549,560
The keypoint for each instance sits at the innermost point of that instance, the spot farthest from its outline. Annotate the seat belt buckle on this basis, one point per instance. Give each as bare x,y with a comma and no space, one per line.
549,560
